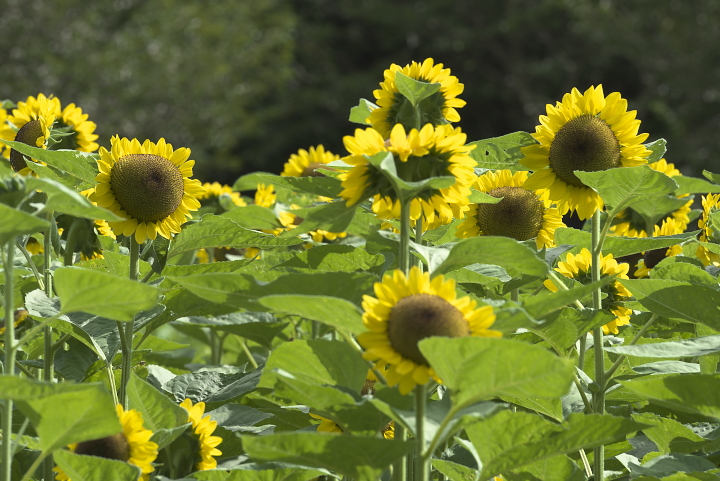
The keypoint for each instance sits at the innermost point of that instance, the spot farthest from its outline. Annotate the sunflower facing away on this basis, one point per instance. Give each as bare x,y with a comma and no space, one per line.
710,231
203,427
304,163
394,108
630,224
72,121
149,185
132,445
521,214
33,119
587,132
215,190
432,152
409,309
578,267
652,258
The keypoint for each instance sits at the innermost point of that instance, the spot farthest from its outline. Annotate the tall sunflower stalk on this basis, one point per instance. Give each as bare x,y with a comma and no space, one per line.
9,366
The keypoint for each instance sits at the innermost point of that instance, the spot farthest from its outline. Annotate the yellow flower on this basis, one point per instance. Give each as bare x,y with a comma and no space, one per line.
33,118
203,427
149,185
264,196
409,309
6,133
587,132
132,445
431,152
651,258
630,224
81,130
322,235
578,267
522,214
215,190
326,425
437,109
19,316
304,163
710,232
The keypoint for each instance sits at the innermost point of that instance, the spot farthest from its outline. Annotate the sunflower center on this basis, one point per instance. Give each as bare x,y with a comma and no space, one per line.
368,387
111,447
310,170
585,143
518,215
28,134
419,316
653,257
148,187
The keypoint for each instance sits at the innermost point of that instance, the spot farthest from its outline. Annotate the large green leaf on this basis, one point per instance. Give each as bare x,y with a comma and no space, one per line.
253,217
415,90
63,200
357,456
655,208
620,246
259,472
510,440
82,290
334,258
674,299
693,185
539,306
212,387
260,327
669,435
318,362
332,311
691,393
87,410
332,217
714,178
91,468
672,467
385,163
80,166
500,251
700,346
360,113
16,223
477,368
501,152
320,186
216,231
454,471
623,186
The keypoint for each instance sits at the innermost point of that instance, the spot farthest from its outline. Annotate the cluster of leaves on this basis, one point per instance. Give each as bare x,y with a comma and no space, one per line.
281,326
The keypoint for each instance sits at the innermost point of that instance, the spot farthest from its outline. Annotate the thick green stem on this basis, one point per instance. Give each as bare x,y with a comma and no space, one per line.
71,241
599,395
9,364
515,295
247,352
127,346
400,467
404,259
31,264
213,348
581,351
48,348
422,463
419,236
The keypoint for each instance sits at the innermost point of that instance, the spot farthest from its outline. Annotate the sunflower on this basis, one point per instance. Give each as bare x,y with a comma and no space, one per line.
409,309
72,121
132,445
326,425
18,317
652,258
710,231
149,185
264,196
6,133
33,118
305,163
34,247
587,132
432,152
394,108
630,224
215,190
522,214
578,267
203,427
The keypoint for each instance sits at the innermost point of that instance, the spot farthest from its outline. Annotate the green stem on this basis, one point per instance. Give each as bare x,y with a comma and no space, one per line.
599,396
22,368
400,467
315,329
71,241
111,380
515,295
418,117
422,463
561,285
8,366
33,466
586,463
635,339
588,407
356,347
213,348
603,233
581,351
419,236
127,346
28,258
404,259
248,353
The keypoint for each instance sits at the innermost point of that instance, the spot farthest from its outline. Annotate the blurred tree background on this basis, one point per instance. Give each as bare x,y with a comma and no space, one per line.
246,83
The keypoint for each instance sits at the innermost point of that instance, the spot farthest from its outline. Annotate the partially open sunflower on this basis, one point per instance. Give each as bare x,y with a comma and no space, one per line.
522,214
80,131
587,132
203,427
305,162
710,231
33,118
652,258
149,185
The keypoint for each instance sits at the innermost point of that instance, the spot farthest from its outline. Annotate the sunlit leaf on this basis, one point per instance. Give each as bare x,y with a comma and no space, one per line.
16,223
89,468
332,311
690,393
360,113
503,152
63,200
414,90
620,246
500,251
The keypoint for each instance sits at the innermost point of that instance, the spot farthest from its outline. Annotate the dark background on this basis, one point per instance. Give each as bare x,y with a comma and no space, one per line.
246,83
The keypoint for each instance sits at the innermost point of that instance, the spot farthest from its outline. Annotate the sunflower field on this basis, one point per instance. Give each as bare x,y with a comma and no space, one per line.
412,309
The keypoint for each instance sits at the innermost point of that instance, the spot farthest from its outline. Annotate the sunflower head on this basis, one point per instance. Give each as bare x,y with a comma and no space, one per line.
522,214
409,309
305,162
652,258
213,193
710,229
326,425
78,131
587,132
33,118
203,427
149,185
264,196
578,267
418,155
437,109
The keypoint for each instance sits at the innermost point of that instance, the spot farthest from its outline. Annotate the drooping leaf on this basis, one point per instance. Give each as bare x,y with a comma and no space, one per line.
234,417
360,113
500,251
212,387
503,152
693,185
692,393
331,217
539,306
657,149
414,90
454,471
714,178
700,346
669,435
620,246
89,468
669,464
332,311
16,223
63,200
260,327
253,217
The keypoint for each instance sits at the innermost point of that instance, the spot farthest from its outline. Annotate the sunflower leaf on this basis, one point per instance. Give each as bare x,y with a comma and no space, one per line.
360,113
253,217
503,152
657,149
699,346
657,207
322,186
385,163
692,185
16,223
414,90
82,166
623,186
332,311
88,468
478,197
690,393
714,178
619,246
212,387
333,217
63,200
